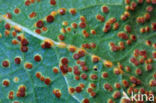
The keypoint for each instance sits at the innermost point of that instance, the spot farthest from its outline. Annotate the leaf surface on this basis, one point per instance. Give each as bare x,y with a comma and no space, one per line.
99,67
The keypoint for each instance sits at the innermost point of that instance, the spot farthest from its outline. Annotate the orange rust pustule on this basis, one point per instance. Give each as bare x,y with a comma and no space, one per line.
105,75
147,16
140,1
112,20
110,101
81,63
100,18
16,10
140,20
85,68
6,83
38,74
50,18
76,70
47,81
38,31
138,71
149,8
68,29
62,11
94,77
93,45
134,80
77,77
5,63
116,26
148,43
108,87
95,59
127,1
125,83
74,25
133,37
32,14
53,2
47,44
117,85
78,89
24,48
11,95
61,37
153,1
15,42
17,60
64,61
42,78
116,95
125,101
117,71
9,15
133,5
55,70
93,32
76,56
44,28
39,24
128,28
85,100
82,18
114,47
82,24
71,90
154,55
153,83
93,94
73,11
108,63
84,76
107,27
89,90
93,85
64,69
21,91
121,45
82,85
57,93
154,26
69,69
37,58
14,34
154,75
122,35
149,67
17,28
7,26
134,61
64,65
86,45
85,34
24,42
27,2
105,9
28,65
127,68
7,33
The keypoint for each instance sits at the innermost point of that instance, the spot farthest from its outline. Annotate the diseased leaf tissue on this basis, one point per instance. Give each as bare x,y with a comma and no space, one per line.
77,51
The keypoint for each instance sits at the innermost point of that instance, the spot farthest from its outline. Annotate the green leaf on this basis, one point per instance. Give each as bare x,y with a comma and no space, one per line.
104,66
